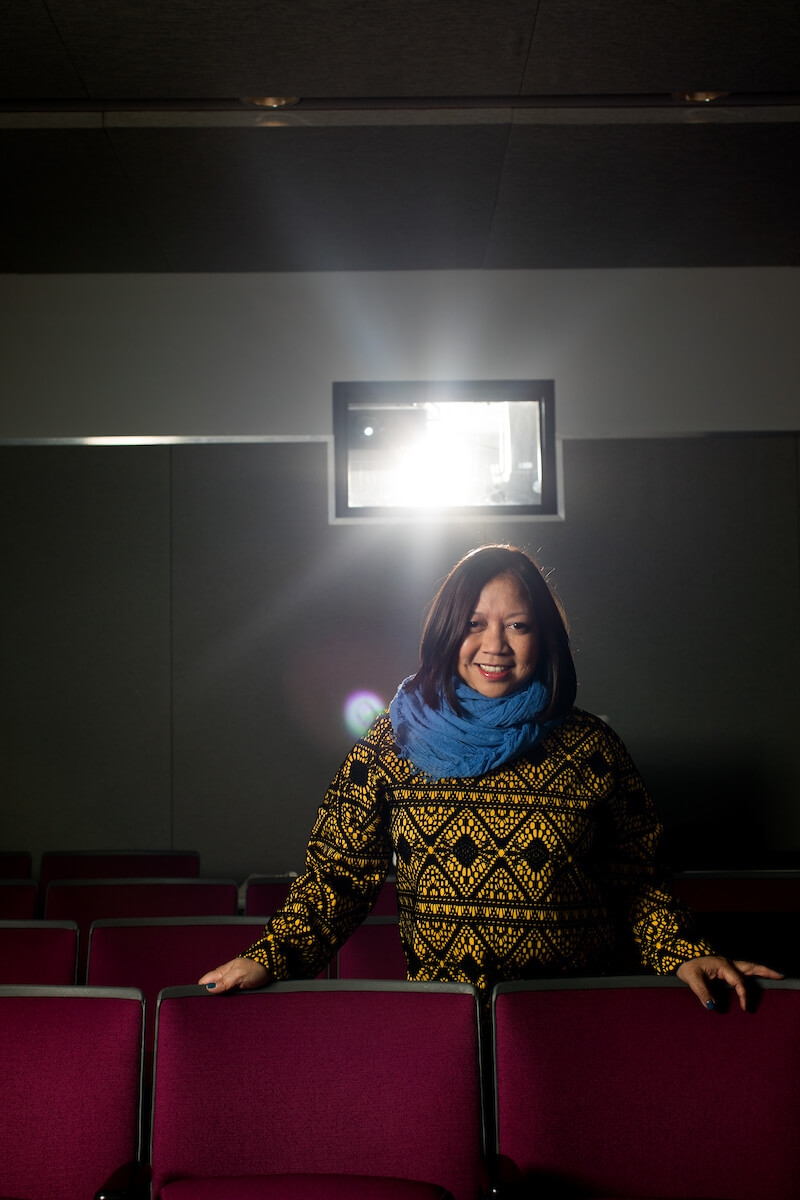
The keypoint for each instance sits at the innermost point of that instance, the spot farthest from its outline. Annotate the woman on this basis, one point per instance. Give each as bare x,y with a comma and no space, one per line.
524,838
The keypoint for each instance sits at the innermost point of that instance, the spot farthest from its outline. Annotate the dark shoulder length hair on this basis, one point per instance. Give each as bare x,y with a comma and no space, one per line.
448,619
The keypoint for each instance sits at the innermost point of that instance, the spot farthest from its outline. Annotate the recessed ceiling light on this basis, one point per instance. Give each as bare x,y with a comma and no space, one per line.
699,97
272,101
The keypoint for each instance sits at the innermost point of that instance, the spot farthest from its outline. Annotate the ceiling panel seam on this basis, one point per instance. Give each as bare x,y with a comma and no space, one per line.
66,49
495,202
524,72
141,212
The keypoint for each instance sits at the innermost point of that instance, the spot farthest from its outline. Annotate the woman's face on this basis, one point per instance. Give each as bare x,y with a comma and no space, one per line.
499,653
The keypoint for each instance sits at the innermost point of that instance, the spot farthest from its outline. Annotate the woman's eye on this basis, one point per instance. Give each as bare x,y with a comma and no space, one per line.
520,626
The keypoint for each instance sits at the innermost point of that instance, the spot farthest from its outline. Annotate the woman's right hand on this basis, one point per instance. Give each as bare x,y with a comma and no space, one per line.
243,973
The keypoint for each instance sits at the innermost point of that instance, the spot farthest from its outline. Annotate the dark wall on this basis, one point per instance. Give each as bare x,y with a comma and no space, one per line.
181,628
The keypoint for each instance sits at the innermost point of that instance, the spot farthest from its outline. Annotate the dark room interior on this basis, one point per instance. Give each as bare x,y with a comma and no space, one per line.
217,217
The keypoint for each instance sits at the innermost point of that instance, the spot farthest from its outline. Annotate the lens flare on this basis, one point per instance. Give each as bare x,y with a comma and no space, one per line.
360,710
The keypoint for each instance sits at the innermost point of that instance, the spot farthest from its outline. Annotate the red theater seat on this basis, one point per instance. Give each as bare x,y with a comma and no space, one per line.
18,899
255,1092
627,1087
373,951
88,900
264,894
38,952
69,1101
386,904
753,915
118,864
16,864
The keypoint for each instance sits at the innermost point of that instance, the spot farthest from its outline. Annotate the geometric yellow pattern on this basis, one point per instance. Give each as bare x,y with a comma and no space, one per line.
545,866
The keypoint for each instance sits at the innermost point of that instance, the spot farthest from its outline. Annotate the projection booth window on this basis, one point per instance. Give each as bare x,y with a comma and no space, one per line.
468,448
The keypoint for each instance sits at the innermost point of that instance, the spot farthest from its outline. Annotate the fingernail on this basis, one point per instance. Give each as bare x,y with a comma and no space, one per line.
210,986
710,1004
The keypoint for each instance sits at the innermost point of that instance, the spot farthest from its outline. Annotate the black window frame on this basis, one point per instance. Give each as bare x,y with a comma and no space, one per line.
387,393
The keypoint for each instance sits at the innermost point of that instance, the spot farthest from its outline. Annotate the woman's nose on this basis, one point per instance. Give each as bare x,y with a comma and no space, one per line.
494,639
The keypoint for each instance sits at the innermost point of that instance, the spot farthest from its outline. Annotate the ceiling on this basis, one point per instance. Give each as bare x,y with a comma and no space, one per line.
430,134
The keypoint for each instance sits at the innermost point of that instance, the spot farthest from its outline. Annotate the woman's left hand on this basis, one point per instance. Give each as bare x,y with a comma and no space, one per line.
698,973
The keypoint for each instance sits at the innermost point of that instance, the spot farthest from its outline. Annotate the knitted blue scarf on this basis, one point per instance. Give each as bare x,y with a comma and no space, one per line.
489,733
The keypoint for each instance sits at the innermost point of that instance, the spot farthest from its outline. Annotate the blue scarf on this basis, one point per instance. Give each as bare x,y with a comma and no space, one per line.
489,733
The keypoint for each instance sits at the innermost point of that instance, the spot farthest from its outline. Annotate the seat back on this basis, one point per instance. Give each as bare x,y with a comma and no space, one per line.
69,1104
88,900
747,914
264,894
38,952
386,904
118,864
627,1087
16,864
319,1078
373,951
739,891
18,899
158,952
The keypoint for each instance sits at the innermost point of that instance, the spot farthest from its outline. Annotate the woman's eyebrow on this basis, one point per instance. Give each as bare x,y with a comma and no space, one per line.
522,612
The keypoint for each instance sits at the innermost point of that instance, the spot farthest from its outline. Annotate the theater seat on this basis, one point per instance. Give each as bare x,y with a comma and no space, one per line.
627,1087
117,864
16,864
376,1081
18,899
38,952
70,1094
264,894
753,915
373,951
88,900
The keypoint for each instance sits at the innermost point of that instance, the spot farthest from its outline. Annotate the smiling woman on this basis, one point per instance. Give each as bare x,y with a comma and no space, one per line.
525,841
488,585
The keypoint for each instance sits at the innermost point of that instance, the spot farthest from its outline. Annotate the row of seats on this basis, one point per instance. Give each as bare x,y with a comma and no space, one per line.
152,954
99,864
749,915
735,891
46,952
258,895
86,901
26,898
712,891
620,1087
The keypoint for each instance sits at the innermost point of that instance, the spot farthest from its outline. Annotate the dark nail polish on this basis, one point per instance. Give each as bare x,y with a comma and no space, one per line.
710,1004
210,986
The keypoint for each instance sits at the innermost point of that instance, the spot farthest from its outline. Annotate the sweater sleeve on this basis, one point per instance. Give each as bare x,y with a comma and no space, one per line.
662,926
347,860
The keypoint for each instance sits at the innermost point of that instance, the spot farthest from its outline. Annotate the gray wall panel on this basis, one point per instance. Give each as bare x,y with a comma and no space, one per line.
85,688
679,566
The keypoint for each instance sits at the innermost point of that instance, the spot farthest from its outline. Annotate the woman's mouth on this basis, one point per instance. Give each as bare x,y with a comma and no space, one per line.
495,673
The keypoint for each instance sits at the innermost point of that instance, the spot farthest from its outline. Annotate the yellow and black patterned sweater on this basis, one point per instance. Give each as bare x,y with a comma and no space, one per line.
542,867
